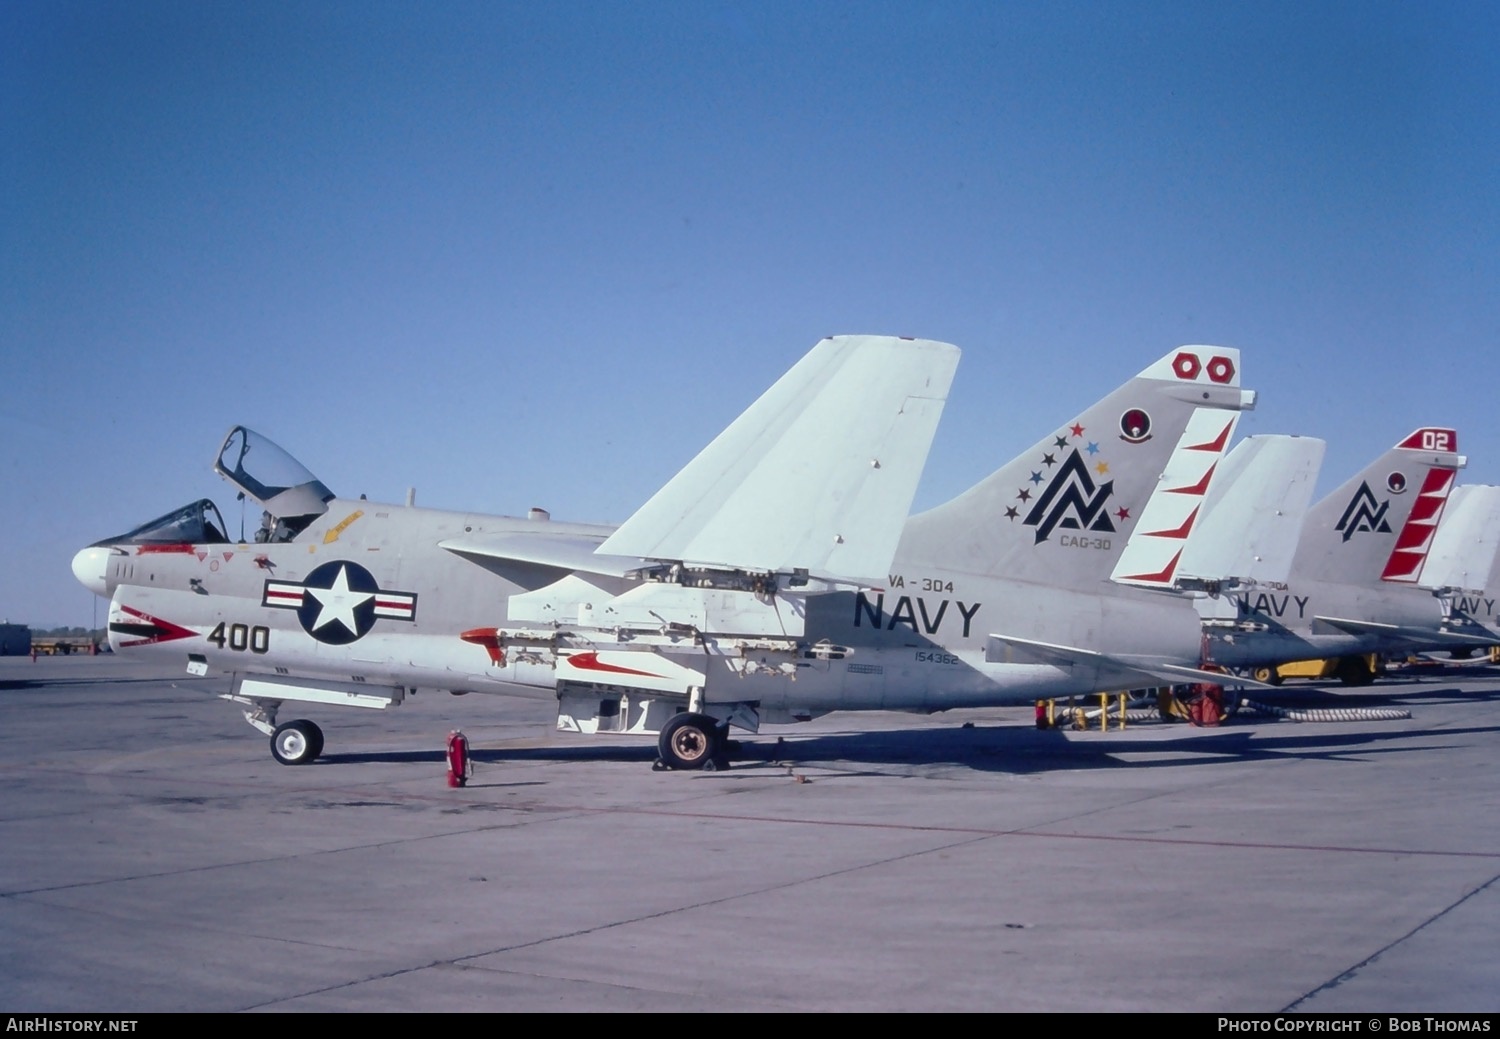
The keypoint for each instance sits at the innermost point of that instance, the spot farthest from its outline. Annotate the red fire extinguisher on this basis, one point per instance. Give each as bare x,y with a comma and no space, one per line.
460,765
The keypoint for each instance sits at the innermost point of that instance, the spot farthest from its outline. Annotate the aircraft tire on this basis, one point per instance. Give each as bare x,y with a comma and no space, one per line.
687,742
297,743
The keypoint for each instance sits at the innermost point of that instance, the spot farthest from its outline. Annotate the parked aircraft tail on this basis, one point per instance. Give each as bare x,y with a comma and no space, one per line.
1380,524
1253,515
1465,553
1060,513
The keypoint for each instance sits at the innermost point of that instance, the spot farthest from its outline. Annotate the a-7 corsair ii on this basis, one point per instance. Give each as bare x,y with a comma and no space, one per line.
774,579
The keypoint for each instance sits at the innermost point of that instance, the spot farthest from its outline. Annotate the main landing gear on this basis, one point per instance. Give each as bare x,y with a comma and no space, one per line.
692,741
297,742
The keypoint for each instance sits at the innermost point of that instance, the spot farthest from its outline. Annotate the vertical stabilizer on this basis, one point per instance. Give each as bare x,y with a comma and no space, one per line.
1060,514
1254,512
1379,525
1466,549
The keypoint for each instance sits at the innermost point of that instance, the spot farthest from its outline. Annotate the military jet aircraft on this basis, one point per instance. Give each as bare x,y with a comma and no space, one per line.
774,579
1352,585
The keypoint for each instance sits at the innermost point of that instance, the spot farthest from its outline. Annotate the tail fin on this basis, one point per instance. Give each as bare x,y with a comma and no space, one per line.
1254,513
1379,525
1465,553
1060,514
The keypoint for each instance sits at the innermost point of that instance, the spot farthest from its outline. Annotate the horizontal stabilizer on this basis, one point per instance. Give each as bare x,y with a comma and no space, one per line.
1415,636
1254,511
1110,672
818,474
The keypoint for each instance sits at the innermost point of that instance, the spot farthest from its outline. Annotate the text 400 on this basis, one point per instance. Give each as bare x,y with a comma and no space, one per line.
256,638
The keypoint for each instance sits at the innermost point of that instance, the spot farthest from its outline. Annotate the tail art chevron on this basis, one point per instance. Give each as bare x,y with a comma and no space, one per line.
1155,548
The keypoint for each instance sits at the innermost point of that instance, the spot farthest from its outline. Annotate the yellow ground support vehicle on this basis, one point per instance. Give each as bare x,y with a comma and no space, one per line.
1355,670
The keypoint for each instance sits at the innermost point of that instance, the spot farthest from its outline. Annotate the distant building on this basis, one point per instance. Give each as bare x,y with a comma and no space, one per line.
15,640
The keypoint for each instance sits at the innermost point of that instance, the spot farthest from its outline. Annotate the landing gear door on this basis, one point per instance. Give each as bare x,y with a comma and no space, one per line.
265,473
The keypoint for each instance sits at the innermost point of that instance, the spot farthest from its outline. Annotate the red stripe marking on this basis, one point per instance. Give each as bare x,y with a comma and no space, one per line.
1217,444
1162,576
1180,532
1199,488
168,631
590,662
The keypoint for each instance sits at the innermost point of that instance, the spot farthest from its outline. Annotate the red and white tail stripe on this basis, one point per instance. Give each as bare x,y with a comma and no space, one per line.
1414,541
1151,556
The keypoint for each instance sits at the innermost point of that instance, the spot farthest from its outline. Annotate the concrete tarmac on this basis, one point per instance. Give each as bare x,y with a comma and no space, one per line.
153,857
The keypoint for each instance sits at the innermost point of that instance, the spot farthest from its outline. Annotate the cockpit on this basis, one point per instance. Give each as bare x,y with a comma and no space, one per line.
196,524
290,496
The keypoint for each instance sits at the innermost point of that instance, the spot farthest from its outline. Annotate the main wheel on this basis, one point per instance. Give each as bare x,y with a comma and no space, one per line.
297,743
687,741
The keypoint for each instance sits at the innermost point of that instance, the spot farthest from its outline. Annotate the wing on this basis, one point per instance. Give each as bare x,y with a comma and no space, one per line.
817,475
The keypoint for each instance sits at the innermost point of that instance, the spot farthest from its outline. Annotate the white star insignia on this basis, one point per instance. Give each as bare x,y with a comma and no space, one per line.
338,603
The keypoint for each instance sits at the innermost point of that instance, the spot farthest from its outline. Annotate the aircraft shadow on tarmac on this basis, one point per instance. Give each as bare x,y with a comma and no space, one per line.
1012,749
17,684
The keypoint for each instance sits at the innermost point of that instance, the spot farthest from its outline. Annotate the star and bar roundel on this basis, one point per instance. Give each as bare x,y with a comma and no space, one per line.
339,602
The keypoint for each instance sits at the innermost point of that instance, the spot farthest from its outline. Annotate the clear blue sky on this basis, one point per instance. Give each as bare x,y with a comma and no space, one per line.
519,254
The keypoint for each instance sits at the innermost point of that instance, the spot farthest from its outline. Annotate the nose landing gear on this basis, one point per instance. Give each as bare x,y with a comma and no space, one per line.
297,742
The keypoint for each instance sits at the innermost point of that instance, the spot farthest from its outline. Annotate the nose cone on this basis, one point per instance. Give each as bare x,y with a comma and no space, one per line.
91,567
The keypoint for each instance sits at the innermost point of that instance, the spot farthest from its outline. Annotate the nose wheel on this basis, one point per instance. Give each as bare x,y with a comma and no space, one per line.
297,743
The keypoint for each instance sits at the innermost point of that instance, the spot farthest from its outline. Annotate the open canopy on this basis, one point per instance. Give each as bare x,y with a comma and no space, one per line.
264,473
